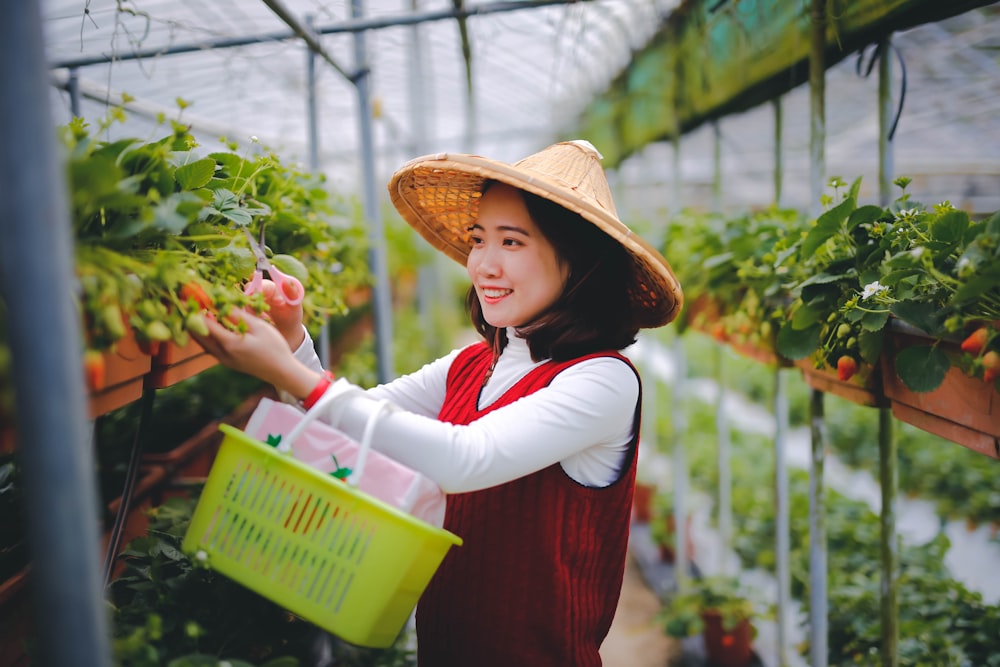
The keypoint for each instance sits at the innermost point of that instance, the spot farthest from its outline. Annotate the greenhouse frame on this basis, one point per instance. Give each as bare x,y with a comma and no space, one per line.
764,143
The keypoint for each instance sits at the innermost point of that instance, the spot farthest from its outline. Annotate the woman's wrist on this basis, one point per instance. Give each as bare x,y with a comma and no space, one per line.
326,378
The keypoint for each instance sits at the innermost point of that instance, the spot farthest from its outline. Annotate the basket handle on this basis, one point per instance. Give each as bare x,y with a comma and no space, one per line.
339,388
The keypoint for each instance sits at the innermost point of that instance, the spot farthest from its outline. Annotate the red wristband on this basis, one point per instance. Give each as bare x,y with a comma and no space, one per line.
324,383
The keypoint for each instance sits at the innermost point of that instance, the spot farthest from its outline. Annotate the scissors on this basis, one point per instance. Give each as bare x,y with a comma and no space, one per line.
286,284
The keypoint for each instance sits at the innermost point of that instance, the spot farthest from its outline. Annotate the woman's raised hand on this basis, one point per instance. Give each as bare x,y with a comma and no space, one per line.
260,350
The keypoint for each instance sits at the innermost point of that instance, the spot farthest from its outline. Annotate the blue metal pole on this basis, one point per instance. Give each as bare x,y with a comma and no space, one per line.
381,295
36,283
312,124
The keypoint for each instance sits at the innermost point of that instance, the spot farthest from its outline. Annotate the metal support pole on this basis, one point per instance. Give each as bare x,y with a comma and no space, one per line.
428,274
890,542
381,298
73,86
724,462
716,167
36,284
817,106
312,141
779,157
782,542
888,476
817,176
885,153
676,185
678,419
818,612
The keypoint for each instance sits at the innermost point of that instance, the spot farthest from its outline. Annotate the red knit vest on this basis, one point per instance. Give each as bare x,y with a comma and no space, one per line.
537,579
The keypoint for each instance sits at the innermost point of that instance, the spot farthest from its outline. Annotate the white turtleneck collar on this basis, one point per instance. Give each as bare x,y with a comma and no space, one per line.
514,363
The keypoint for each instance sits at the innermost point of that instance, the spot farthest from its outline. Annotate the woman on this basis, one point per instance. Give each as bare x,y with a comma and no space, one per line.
533,431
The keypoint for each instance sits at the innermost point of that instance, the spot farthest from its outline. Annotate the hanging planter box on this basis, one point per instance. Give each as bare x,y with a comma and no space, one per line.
125,371
962,409
865,387
173,363
705,315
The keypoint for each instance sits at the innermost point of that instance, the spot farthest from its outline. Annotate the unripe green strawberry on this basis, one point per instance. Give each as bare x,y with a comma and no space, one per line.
113,321
158,331
195,323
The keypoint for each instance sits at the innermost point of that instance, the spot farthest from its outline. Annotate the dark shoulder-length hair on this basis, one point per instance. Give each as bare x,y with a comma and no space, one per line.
594,312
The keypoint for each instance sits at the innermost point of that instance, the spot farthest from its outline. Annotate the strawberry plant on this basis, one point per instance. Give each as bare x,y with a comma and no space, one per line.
737,269
158,234
866,266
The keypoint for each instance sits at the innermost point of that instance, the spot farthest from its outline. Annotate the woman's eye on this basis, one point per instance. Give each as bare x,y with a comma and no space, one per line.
511,242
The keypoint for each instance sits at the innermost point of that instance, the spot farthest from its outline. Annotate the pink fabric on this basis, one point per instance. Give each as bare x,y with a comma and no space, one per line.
382,477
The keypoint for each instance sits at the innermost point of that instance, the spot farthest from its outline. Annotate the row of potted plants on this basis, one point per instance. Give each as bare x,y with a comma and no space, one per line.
881,305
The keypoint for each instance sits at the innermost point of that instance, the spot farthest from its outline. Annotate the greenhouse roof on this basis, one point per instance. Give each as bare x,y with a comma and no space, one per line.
537,69
533,67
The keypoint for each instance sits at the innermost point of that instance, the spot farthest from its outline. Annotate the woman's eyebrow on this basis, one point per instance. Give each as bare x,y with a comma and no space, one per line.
503,228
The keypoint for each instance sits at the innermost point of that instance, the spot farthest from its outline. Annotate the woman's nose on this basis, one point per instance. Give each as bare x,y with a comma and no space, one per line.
485,262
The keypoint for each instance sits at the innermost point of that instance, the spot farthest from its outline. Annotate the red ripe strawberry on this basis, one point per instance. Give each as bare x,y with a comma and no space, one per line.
846,367
718,331
975,342
94,369
991,366
194,292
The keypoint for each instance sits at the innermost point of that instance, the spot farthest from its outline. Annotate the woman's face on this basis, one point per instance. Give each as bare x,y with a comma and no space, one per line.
514,269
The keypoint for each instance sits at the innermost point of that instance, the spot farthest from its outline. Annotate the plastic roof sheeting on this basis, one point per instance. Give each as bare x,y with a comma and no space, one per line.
533,70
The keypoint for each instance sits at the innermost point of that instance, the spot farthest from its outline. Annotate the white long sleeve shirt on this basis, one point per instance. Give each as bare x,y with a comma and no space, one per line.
582,420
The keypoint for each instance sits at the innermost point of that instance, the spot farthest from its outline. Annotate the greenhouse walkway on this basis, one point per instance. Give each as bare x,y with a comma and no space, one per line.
635,639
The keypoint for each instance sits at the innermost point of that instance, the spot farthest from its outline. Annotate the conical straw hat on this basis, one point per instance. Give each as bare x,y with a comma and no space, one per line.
438,195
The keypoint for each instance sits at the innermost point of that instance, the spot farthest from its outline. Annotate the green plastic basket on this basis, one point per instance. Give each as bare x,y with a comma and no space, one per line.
325,551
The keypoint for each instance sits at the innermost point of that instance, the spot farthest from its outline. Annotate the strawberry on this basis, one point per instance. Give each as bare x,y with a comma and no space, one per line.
94,369
718,331
975,342
846,367
194,292
991,366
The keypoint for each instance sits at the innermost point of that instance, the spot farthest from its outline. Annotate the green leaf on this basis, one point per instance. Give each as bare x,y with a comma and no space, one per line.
922,368
864,215
827,225
808,315
870,345
798,343
874,321
196,174
950,227
237,215
920,314
175,212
